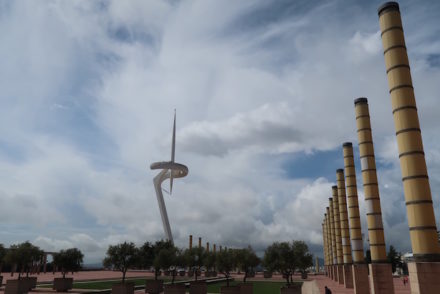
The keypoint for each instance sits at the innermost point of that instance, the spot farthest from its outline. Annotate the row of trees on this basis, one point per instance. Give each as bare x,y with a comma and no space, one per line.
25,257
282,257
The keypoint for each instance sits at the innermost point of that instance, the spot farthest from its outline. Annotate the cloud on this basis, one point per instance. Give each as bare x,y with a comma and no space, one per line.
87,97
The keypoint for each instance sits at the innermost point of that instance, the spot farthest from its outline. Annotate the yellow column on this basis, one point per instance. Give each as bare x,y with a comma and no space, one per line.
190,242
359,268
333,236
329,244
207,246
357,247
324,238
421,219
345,233
214,248
200,242
343,217
338,237
425,269
381,279
369,176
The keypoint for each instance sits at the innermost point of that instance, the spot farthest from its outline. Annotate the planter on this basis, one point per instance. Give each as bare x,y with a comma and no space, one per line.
123,288
230,290
16,287
182,273
30,282
246,288
303,275
174,289
267,274
62,285
207,274
154,286
166,273
198,287
190,273
214,274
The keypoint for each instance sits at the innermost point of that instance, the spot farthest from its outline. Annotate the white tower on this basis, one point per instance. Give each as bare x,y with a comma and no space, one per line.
171,170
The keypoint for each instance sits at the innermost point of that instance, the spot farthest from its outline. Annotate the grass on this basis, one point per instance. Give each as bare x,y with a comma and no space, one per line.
105,284
260,287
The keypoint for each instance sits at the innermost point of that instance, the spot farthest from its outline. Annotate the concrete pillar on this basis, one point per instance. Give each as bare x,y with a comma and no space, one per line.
316,265
207,246
200,242
329,243
190,242
381,280
333,236
327,251
359,268
417,191
324,243
337,225
45,263
345,232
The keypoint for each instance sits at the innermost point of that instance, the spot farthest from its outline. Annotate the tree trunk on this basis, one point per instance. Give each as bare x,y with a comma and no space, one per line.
245,276
174,276
123,276
227,280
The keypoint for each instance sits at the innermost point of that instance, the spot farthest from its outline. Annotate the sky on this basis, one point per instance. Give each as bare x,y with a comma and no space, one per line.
264,96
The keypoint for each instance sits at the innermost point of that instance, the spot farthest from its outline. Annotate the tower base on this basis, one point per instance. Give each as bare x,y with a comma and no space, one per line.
348,276
424,277
360,279
340,269
381,278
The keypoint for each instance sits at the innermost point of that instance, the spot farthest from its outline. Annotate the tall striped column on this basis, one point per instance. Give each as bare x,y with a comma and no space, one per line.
329,243
345,230
359,268
417,191
333,236
337,225
372,200
324,245
190,242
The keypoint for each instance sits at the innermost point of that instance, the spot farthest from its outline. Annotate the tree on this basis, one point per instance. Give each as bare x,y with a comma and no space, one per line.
209,260
2,256
24,255
394,258
121,257
225,263
146,255
69,260
168,258
195,258
303,258
246,260
280,257
158,262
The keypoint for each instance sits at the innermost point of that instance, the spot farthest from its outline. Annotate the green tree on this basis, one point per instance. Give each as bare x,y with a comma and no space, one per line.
24,255
303,258
2,256
121,257
145,256
246,260
195,258
169,259
226,263
209,260
160,262
395,258
280,257
69,260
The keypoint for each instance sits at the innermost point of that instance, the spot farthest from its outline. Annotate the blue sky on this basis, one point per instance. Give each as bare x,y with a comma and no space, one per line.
264,95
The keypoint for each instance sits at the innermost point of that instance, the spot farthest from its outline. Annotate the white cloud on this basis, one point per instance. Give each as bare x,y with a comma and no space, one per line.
87,95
